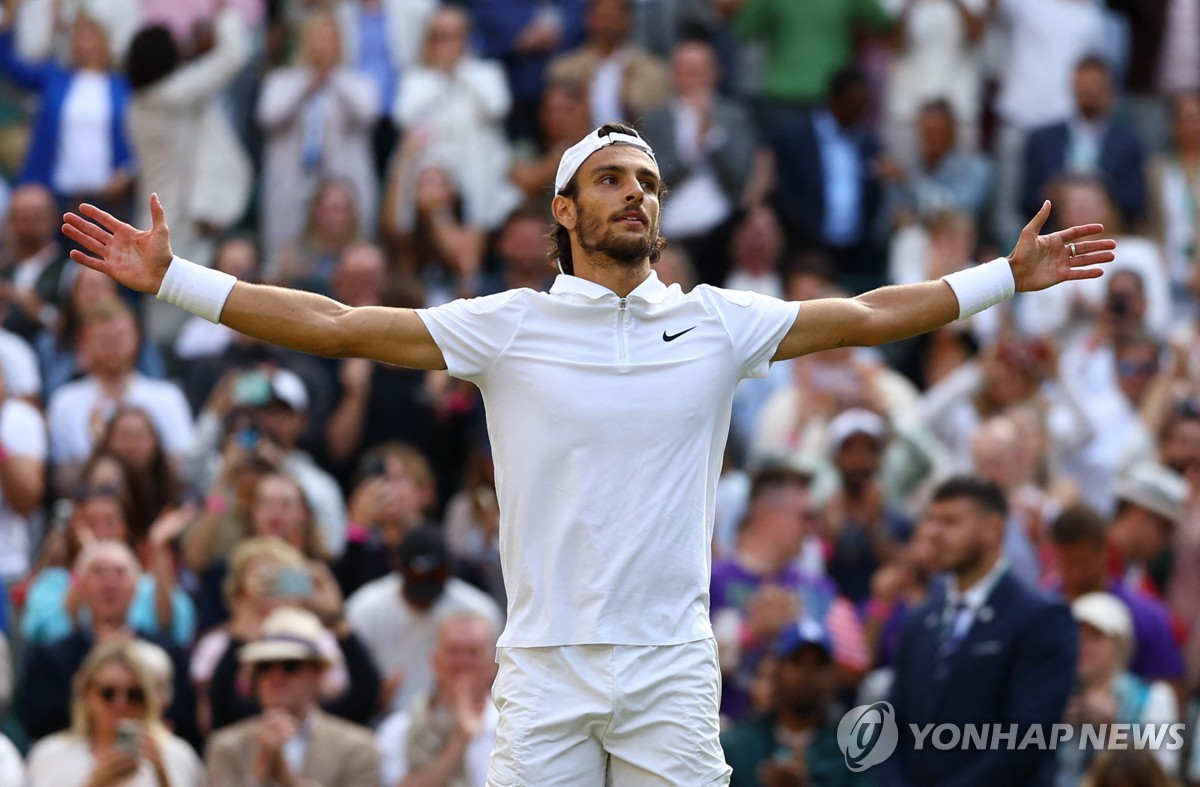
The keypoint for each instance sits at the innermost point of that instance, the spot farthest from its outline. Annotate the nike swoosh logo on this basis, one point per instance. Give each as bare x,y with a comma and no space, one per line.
670,337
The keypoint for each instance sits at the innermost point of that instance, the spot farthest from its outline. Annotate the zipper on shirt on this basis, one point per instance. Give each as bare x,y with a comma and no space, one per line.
622,316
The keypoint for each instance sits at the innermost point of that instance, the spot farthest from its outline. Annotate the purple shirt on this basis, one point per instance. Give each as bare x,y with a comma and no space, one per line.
1156,654
734,586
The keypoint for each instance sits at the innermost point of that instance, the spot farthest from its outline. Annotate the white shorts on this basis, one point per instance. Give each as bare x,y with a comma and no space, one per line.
643,715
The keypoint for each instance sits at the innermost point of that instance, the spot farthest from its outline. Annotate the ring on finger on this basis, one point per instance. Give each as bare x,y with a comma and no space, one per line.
1071,248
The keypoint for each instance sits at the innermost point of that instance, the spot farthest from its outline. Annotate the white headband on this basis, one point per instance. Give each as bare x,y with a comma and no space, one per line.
578,153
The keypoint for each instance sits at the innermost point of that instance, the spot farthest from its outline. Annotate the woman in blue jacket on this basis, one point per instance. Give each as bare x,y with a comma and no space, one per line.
77,146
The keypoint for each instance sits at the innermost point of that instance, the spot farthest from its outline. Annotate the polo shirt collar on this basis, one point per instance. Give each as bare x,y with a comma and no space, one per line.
651,290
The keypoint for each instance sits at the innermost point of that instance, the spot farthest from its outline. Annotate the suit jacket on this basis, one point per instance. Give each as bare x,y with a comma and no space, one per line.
1015,665
53,82
801,189
339,754
732,161
1120,166
645,84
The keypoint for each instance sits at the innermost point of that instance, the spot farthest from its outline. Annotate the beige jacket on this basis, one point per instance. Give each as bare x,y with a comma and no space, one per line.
645,84
339,754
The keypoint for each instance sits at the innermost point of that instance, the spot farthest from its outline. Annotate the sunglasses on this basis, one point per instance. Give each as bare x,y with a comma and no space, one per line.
289,666
132,696
85,492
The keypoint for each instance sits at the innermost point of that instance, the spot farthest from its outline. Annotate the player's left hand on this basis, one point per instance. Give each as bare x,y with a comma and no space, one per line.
1041,261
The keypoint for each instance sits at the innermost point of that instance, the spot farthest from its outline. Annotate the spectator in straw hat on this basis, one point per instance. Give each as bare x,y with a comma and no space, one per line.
1151,502
292,741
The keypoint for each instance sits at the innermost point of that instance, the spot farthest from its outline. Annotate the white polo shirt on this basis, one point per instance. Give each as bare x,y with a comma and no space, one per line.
608,418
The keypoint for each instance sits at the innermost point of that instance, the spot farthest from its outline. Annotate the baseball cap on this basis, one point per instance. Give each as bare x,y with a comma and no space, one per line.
855,420
256,388
424,561
578,153
802,632
287,387
1105,613
287,633
1155,488
423,550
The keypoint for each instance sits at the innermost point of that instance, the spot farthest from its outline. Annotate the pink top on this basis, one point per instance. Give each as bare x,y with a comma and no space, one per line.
181,15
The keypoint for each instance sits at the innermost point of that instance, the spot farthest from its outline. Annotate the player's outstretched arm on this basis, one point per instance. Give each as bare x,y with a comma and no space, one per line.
889,314
304,321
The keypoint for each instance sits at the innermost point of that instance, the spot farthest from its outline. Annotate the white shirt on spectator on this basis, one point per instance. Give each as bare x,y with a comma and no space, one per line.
20,365
399,637
697,204
392,741
66,760
462,113
22,433
605,90
197,336
938,61
74,406
1045,40
12,770
84,164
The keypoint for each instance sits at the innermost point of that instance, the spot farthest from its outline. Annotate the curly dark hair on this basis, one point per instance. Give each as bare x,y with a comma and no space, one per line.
153,54
561,251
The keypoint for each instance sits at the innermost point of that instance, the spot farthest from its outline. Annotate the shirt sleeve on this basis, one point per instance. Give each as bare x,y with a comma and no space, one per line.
756,324
22,430
21,368
392,741
473,333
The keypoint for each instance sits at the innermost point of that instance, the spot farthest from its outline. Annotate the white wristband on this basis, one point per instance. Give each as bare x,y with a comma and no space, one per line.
195,288
982,286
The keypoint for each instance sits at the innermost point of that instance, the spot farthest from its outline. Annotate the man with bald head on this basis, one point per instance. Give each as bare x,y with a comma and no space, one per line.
445,736
106,577
608,403
34,259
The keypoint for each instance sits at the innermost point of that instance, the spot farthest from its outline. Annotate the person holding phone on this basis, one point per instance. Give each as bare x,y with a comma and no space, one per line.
266,573
117,735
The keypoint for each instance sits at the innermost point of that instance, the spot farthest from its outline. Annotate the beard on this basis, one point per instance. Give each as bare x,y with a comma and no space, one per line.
968,562
600,239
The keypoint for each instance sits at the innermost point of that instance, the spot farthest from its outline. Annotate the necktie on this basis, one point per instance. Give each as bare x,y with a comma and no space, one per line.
951,635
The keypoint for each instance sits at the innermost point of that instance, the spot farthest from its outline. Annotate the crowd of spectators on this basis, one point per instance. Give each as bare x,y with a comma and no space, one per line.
223,557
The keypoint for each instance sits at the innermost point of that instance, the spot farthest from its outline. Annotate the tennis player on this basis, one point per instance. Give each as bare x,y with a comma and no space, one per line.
608,403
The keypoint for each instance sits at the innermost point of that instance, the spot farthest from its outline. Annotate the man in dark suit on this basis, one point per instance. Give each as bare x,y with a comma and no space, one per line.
984,649
1092,142
829,189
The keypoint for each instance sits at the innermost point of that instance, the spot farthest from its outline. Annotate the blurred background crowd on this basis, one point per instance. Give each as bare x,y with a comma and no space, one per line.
222,557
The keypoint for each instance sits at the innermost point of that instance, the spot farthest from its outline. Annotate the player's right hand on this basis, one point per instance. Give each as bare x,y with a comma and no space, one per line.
135,258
